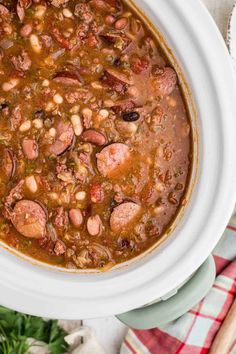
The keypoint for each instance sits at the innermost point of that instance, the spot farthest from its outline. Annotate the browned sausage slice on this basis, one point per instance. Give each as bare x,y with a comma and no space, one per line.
29,218
124,214
8,163
165,82
64,138
111,158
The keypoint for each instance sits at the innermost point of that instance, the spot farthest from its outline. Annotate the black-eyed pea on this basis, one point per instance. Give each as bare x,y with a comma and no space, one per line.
121,23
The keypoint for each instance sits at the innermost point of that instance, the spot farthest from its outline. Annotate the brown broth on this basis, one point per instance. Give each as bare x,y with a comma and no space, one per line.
95,136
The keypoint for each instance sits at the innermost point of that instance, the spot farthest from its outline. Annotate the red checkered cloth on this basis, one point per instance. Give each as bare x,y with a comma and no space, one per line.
194,332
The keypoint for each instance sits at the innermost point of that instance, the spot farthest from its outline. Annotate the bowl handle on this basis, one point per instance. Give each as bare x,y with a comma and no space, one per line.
169,310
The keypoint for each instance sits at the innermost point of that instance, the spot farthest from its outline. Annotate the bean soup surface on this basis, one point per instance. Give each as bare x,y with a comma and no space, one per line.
95,138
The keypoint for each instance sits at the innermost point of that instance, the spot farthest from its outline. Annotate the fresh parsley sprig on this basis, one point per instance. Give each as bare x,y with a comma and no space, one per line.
16,328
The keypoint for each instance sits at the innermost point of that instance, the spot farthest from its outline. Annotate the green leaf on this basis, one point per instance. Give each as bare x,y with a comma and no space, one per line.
16,327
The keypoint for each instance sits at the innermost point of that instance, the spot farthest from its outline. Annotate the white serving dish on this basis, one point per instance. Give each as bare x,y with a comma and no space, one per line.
202,56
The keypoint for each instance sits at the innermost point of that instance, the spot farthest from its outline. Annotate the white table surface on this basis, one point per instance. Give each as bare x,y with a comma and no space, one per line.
109,330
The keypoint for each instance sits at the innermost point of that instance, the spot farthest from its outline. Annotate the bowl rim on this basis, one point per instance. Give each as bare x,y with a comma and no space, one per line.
51,294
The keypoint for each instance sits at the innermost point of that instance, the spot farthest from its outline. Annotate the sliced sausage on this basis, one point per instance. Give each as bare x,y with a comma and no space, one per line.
64,138
116,80
68,78
120,40
111,158
94,137
8,163
29,219
3,10
94,225
76,217
30,148
123,106
21,6
166,81
123,215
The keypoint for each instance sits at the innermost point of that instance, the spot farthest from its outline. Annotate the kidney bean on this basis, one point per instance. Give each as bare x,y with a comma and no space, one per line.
94,137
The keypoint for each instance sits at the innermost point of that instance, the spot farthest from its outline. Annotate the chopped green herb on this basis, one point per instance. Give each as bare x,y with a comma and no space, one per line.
16,328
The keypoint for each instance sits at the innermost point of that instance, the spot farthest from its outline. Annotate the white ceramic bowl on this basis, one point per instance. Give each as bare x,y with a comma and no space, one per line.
202,55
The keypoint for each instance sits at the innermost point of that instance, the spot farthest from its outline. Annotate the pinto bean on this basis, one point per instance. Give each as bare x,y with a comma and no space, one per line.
26,30
8,163
166,81
30,148
121,23
123,215
29,219
76,217
94,225
63,140
111,158
94,137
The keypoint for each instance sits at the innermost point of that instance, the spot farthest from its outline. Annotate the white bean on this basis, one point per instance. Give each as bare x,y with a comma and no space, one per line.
58,99
77,124
40,11
87,113
7,86
25,126
104,113
80,195
31,184
34,41
52,132
37,123
67,13
45,83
